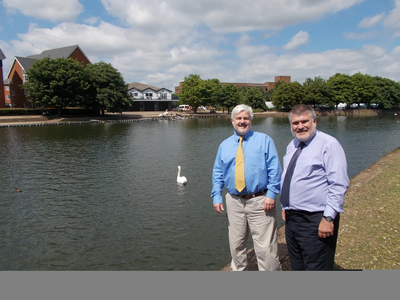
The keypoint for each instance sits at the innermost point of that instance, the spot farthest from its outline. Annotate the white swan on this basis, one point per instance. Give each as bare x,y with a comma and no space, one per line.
180,179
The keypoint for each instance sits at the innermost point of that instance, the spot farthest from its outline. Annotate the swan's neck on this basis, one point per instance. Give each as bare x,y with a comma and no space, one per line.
179,173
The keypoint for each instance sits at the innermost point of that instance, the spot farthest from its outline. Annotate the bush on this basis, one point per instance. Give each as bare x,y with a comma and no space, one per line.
20,111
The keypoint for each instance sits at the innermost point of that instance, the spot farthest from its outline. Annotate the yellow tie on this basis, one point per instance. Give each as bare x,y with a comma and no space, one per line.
240,183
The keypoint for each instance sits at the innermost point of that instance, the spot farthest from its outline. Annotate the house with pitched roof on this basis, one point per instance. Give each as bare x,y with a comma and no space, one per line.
2,98
14,95
150,98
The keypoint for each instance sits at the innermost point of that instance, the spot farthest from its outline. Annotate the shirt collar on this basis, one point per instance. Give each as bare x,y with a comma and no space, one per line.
245,137
297,142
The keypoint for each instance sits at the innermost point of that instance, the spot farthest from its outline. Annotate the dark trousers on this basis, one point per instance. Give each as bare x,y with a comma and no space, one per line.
307,251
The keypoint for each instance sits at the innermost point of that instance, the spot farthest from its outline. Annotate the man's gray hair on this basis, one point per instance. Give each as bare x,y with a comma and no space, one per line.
300,110
242,107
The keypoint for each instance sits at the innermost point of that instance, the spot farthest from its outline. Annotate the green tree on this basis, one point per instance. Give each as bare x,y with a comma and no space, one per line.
57,82
317,92
387,92
192,91
108,88
256,98
364,89
287,95
230,96
214,92
341,88
242,95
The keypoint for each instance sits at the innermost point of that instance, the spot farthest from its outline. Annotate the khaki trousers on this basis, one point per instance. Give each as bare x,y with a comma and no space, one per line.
244,215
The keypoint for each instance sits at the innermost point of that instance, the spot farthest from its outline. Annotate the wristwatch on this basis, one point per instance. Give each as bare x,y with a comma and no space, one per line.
329,219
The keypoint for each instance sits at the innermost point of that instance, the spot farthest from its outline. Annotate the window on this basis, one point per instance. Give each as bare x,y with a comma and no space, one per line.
7,88
13,93
8,97
164,96
12,80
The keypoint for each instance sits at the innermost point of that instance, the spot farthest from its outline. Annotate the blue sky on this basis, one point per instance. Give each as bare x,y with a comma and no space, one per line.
159,42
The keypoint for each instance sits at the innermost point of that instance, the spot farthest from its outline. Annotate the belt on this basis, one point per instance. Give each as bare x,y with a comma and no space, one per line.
249,196
291,212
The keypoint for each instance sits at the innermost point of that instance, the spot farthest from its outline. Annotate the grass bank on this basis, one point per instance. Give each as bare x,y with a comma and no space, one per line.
370,225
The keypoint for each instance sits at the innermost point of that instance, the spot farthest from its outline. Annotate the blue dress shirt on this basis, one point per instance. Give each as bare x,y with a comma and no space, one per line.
262,167
320,179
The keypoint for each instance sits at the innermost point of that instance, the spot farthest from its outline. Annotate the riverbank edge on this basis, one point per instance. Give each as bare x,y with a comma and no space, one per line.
359,182
133,116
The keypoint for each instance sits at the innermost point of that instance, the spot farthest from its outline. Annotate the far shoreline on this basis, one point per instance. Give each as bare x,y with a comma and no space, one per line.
131,116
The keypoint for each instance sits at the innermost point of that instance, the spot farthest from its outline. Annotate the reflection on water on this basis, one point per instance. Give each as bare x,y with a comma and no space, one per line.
105,197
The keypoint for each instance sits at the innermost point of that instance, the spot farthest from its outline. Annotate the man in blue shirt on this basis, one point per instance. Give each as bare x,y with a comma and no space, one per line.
252,208
315,198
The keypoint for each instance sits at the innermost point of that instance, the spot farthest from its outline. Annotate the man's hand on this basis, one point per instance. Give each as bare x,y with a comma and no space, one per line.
269,204
218,207
325,229
283,215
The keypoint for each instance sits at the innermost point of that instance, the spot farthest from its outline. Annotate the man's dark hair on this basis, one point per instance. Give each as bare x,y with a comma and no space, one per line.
302,109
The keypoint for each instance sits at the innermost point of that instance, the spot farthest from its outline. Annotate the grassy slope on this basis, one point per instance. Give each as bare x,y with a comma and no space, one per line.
369,230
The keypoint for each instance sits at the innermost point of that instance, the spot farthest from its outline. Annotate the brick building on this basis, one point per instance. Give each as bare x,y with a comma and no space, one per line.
14,95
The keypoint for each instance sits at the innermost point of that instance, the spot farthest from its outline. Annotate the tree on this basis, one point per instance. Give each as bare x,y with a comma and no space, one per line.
364,89
341,88
192,91
256,98
317,92
56,82
242,95
216,92
387,92
287,94
108,89
230,96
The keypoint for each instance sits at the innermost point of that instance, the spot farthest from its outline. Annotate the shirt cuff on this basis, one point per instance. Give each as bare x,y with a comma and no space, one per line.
217,199
270,194
330,212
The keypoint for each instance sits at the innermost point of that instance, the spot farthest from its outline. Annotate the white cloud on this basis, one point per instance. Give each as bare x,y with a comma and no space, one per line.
91,20
370,22
300,39
360,36
54,10
222,16
161,46
393,19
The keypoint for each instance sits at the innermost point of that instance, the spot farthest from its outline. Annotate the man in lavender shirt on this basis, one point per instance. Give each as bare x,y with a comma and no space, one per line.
316,195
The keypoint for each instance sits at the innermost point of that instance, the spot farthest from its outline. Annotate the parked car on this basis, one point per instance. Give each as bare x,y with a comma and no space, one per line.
184,107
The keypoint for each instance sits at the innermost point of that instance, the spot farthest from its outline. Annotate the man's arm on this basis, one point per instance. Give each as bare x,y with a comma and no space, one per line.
338,183
274,170
338,180
218,183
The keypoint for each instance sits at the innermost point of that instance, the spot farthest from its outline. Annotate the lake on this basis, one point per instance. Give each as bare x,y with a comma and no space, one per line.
104,196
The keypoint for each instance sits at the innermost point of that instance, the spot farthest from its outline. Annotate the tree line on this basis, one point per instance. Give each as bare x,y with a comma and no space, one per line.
340,88
63,82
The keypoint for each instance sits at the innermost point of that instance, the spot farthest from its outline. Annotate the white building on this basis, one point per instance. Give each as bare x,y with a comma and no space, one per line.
150,98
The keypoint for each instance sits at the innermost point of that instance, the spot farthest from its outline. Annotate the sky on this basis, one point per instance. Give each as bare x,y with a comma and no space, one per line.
159,42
